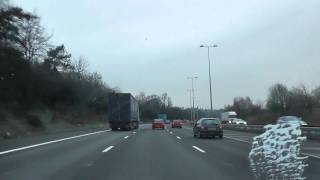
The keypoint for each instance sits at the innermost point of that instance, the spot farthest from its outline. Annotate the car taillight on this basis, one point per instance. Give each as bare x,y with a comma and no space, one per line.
221,126
202,127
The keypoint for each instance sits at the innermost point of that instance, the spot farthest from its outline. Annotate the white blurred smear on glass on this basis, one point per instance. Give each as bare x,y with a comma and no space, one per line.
276,154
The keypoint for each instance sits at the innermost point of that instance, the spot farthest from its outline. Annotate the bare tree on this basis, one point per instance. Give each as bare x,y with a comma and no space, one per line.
165,100
278,98
297,101
80,67
169,102
310,101
32,39
300,101
141,97
316,95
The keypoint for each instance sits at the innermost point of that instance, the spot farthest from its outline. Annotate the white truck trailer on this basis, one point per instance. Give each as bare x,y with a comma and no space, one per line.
227,117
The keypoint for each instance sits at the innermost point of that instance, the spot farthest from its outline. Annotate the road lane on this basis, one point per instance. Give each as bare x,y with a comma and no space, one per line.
310,147
238,144
147,154
232,157
45,162
152,155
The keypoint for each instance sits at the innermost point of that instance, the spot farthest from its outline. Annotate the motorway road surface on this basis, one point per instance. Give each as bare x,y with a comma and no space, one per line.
144,154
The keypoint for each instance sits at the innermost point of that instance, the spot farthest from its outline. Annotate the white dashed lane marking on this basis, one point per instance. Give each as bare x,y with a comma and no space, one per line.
199,149
107,149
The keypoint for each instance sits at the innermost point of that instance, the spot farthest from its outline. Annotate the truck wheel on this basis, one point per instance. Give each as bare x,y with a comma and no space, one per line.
114,129
129,127
221,136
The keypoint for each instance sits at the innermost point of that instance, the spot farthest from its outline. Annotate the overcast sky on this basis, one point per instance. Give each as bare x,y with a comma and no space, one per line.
153,46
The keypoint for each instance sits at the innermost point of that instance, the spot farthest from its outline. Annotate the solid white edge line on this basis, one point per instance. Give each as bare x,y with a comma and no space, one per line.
50,142
237,139
107,149
125,137
199,149
178,137
311,155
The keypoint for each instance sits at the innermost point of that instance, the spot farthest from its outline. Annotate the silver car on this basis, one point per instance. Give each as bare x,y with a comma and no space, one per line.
291,119
239,122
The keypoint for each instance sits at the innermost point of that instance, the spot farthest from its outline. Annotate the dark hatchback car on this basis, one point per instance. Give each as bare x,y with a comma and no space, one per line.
176,124
208,127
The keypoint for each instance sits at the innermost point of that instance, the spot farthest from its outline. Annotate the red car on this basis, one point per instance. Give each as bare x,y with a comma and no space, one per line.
158,124
176,124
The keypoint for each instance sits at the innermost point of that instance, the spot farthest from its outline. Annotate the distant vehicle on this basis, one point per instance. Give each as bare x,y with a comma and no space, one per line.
239,121
208,127
186,121
228,117
176,124
123,111
291,119
158,124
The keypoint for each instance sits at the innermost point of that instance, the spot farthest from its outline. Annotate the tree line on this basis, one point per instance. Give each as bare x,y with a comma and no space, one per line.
152,105
36,73
281,100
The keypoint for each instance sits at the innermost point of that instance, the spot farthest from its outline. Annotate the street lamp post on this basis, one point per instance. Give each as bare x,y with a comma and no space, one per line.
209,63
190,99
192,90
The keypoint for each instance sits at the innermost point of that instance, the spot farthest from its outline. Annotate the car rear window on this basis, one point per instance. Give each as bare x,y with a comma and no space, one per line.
210,122
158,121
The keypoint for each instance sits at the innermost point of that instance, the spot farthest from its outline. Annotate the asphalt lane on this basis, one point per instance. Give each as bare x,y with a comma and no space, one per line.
45,162
227,156
236,142
154,155
145,154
